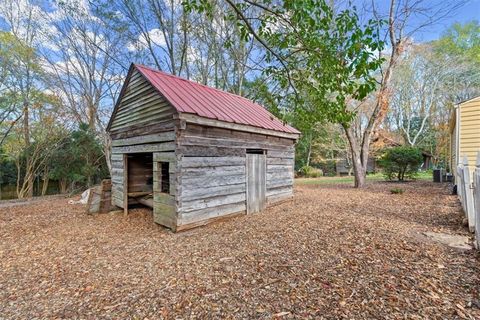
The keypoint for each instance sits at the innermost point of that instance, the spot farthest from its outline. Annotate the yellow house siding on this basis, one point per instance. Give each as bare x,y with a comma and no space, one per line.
469,130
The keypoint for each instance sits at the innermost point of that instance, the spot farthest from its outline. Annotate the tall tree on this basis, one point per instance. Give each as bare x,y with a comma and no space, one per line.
45,136
325,60
328,58
23,20
13,53
397,33
421,73
85,60
459,47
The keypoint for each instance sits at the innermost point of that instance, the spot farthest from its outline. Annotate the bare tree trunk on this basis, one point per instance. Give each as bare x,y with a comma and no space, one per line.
358,162
62,185
26,134
309,152
360,147
19,172
46,179
92,114
360,176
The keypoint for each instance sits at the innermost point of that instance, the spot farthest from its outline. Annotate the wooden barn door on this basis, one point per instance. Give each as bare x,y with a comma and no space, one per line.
256,182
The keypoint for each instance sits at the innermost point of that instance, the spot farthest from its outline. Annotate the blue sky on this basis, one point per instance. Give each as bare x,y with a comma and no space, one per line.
468,12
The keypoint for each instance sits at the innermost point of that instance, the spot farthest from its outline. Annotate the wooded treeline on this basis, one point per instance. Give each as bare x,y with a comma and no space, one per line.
347,78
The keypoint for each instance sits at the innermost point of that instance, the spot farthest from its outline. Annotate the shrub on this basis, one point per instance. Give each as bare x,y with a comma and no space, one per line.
310,172
396,191
401,162
328,167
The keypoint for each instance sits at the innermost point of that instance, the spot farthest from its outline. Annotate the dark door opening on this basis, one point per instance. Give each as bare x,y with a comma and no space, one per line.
140,178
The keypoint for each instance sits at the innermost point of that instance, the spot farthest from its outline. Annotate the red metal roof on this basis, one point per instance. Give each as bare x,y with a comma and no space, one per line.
195,98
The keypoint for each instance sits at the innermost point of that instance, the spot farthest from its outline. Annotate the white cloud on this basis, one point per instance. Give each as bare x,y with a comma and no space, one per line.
37,27
27,21
156,38
193,54
82,8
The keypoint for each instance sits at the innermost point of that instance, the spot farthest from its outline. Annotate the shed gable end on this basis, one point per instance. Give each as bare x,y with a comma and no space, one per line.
139,104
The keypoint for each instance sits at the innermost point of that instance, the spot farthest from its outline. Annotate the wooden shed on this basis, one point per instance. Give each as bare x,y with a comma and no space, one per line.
194,153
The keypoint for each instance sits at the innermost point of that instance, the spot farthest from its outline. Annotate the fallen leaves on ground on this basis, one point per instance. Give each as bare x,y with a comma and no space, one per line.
333,252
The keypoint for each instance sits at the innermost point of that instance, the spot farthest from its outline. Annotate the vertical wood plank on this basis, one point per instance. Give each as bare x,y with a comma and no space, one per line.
262,183
256,182
164,209
125,184
468,195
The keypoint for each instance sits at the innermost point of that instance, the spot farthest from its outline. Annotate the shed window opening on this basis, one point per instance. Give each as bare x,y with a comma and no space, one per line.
165,177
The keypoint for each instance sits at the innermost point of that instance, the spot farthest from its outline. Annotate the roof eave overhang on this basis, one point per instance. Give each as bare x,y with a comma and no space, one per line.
467,101
192,118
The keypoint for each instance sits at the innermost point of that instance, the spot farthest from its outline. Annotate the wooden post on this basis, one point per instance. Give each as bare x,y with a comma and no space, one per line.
459,182
468,195
476,196
125,184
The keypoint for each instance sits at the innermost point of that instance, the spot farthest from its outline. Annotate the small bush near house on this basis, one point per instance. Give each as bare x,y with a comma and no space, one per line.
397,191
310,172
401,162
327,167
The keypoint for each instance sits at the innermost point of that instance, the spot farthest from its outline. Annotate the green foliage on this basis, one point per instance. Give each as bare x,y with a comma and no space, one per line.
310,172
8,172
13,50
322,61
397,191
460,47
462,40
80,160
401,162
320,58
328,167
328,58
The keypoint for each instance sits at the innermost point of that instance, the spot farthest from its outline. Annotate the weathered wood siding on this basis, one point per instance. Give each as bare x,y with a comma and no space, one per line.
280,167
164,204
207,164
118,163
117,179
141,105
211,171
143,123
256,182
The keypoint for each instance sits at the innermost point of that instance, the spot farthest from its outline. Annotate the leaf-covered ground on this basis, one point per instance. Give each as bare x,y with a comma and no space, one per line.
334,252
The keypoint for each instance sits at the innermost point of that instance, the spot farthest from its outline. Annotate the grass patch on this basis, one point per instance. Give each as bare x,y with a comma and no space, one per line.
396,191
341,180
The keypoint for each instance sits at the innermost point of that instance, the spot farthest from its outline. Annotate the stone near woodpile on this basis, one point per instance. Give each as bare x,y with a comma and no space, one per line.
83,198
